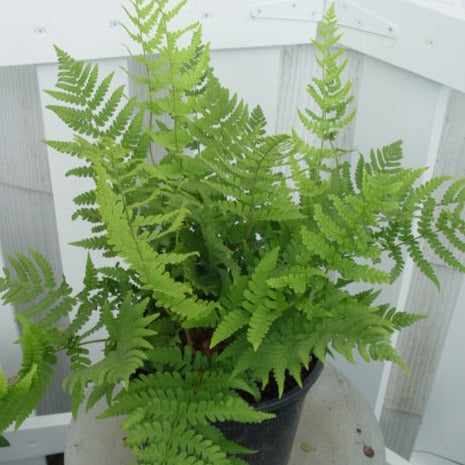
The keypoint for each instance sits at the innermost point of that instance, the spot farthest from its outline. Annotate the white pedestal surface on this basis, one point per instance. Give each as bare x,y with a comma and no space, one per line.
337,424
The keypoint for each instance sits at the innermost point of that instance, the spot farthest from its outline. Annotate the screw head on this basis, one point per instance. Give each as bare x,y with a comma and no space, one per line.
40,31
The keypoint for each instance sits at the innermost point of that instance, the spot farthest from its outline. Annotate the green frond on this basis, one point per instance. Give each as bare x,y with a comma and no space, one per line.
329,93
204,394
19,398
126,347
36,289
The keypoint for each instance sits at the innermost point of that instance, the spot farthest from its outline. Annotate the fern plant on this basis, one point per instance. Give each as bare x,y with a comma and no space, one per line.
232,257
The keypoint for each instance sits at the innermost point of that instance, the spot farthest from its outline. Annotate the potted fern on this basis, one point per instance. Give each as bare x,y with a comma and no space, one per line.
231,260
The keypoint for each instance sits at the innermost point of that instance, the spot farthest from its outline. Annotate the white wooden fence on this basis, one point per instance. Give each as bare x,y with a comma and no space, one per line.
408,73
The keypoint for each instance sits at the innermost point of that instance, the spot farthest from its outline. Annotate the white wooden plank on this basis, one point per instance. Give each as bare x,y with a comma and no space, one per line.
421,345
31,461
393,459
38,436
428,458
89,29
442,428
430,40
254,74
400,430
10,353
395,104
388,109
23,157
27,220
436,132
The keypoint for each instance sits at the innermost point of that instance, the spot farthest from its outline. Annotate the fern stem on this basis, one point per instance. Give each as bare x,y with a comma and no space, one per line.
173,90
128,219
250,218
323,116
150,91
189,339
93,341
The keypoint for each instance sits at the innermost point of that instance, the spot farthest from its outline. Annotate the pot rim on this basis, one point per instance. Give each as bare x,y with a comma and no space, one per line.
308,382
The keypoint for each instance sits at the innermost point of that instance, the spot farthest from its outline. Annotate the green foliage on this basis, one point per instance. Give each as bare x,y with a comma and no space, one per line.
4,441
236,252
331,96
171,413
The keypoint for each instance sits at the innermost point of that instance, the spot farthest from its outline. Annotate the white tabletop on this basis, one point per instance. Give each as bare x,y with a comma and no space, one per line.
337,427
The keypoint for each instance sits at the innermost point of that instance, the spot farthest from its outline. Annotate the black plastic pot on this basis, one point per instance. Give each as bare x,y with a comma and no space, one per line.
273,439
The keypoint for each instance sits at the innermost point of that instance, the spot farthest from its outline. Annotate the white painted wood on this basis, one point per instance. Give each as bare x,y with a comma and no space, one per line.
439,117
21,131
395,104
420,345
254,74
430,36
294,10
425,458
387,110
443,423
89,29
430,39
39,436
10,353
393,459
353,16
31,461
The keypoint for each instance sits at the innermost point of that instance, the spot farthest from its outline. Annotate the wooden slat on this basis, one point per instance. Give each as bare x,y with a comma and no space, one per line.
254,74
393,459
31,461
422,344
442,427
38,436
438,117
430,35
27,219
10,359
430,38
23,156
88,29
297,69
